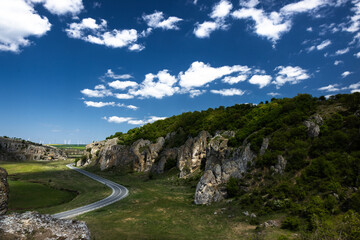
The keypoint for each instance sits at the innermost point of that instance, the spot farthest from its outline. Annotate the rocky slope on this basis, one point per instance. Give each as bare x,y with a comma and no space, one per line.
21,150
31,225
210,153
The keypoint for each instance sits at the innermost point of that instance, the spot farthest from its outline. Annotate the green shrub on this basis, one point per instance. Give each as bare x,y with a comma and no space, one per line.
232,187
291,223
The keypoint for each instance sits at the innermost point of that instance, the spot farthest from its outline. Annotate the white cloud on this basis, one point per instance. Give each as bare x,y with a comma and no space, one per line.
273,94
122,84
357,55
123,96
163,87
131,107
330,88
90,31
96,93
204,29
115,119
249,3
354,86
342,51
292,75
157,20
219,13
271,26
309,29
303,6
261,80
199,74
337,62
130,120
61,7
18,22
98,104
229,92
235,79
355,90
112,75
354,22
196,92
345,74
221,9
100,87
323,45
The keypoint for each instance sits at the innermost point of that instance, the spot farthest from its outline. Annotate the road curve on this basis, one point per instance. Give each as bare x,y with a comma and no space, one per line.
118,192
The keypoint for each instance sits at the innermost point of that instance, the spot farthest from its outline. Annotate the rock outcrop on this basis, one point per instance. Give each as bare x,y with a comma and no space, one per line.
4,191
313,125
211,154
21,150
280,165
31,225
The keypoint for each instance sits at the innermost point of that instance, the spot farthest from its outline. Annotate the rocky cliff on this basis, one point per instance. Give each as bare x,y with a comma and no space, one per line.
31,225
211,154
4,191
21,150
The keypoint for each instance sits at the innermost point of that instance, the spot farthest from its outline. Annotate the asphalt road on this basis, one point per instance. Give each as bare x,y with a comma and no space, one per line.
118,192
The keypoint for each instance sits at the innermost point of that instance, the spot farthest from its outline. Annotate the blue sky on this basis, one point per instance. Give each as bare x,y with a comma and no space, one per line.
76,71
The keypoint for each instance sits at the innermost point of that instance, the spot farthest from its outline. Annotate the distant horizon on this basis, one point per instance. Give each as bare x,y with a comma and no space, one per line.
79,71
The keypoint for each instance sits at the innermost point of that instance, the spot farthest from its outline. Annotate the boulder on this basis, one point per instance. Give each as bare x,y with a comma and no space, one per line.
32,225
313,125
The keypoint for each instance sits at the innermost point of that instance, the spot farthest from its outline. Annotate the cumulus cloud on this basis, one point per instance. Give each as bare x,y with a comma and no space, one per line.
337,62
357,55
323,45
273,94
354,22
303,6
123,96
96,93
219,13
199,74
98,104
235,79
62,7
195,92
91,31
130,120
261,80
115,119
330,88
112,75
271,26
355,87
345,74
150,87
122,84
229,92
342,51
18,22
289,74
157,20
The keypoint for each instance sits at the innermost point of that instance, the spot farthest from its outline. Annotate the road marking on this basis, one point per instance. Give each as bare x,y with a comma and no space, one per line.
118,192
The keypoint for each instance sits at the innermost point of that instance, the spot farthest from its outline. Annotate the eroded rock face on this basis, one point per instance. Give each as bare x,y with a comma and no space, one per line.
21,150
146,153
165,157
32,225
192,153
280,165
313,125
4,191
222,163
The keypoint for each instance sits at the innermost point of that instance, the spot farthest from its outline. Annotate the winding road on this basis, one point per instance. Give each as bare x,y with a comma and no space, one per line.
118,192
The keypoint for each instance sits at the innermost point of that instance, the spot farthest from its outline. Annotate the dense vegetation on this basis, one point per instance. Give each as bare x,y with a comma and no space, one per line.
319,188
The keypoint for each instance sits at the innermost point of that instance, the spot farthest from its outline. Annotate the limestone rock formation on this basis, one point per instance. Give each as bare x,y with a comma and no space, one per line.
32,225
221,164
21,150
192,153
4,191
166,156
313,125
280,165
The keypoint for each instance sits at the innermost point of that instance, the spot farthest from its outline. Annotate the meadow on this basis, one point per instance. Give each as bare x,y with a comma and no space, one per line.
158,207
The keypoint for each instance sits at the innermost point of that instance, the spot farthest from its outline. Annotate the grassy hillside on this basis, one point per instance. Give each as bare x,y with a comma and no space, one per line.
319,190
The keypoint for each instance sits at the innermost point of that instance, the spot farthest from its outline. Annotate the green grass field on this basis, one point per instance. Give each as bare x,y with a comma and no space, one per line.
69,146
161,208
50,187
